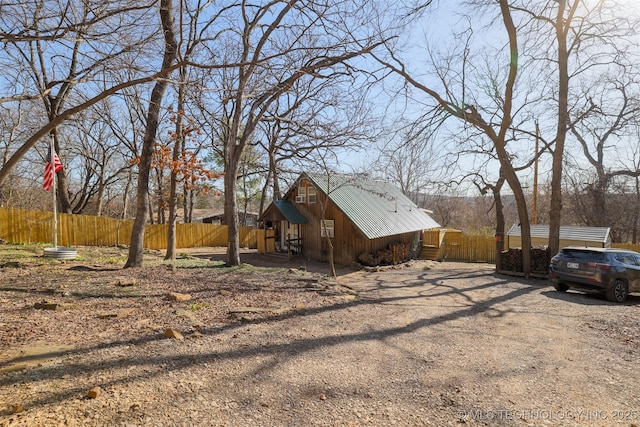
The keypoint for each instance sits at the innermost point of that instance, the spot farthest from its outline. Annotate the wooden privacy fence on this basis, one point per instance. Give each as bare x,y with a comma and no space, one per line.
630,246
27,226
453,245
461,247
431,237
456,246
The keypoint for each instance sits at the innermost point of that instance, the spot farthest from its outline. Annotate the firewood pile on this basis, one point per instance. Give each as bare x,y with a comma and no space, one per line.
540,257
396,253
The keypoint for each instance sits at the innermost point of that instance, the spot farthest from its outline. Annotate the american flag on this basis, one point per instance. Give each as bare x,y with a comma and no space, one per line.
52,167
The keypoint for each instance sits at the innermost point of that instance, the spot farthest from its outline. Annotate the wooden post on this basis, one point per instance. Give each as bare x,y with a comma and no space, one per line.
53,192
534,209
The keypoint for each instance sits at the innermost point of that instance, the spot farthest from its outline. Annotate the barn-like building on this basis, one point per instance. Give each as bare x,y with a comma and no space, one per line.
359,215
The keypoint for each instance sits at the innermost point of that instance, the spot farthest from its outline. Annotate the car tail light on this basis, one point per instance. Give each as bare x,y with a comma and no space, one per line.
600,266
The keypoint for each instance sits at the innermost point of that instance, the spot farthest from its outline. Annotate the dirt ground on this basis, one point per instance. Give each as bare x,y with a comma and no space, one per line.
86,342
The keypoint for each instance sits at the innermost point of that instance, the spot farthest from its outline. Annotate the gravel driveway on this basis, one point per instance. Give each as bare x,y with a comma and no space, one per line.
426,344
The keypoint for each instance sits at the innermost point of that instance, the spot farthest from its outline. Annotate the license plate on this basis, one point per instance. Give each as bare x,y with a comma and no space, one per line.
573,265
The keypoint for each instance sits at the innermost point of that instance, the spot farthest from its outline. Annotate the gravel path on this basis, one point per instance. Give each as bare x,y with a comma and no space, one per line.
424,344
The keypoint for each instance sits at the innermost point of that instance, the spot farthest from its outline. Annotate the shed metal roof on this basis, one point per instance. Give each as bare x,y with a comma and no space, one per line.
290,212
586,234
376,208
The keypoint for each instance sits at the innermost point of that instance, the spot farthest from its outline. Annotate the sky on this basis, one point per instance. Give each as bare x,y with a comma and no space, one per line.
435,29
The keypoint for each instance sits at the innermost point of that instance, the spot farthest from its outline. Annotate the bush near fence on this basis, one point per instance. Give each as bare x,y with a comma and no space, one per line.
29,226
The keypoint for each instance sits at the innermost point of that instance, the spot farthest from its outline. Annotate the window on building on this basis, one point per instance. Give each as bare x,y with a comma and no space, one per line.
312,194
302,191
302,195
326,228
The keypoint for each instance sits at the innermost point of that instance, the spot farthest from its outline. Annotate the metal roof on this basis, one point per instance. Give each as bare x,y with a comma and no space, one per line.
376,208
290,212
586,234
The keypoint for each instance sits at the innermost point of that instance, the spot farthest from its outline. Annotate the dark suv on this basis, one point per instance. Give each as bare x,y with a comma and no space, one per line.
616,272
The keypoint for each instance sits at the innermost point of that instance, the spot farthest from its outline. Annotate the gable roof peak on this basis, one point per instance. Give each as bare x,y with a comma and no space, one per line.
377,208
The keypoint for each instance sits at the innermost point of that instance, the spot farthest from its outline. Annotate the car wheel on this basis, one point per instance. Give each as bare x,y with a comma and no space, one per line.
561,287
618,291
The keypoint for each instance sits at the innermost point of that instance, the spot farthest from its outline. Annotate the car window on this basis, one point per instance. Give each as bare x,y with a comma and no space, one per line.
627,259
581,254
636,259
621,258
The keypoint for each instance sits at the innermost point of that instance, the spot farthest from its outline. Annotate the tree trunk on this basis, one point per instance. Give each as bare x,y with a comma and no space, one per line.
231,209
263,196
185,206
555,212
100,195
192,205
521,204
178,145
500,221
332,266
161,219
636,214
173,215
599,202
137,234
151,219
500,143
125,198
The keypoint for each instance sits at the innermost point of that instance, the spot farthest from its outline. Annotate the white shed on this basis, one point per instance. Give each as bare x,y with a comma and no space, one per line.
599,237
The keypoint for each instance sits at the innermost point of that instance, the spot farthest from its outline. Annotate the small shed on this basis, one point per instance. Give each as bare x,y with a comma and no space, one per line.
599,237
248,219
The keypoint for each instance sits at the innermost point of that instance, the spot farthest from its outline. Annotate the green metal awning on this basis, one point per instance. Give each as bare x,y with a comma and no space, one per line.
290,212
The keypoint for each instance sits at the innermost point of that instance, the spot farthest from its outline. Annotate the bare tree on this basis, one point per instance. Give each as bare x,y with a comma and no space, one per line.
597,126
137,234
97,155
459,105
11,124
496,189
585,37
411,162
57,64
190,38
42,131
562,25
311,124
278,44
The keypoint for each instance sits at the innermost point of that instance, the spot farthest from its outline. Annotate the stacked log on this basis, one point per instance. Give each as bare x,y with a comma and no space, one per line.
512,260
540,257
369,259
396,253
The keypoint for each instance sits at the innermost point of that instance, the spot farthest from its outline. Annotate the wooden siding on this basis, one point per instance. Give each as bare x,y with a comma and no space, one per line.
348,242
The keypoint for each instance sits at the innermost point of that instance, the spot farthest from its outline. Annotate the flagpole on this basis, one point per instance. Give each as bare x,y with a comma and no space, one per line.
53,191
